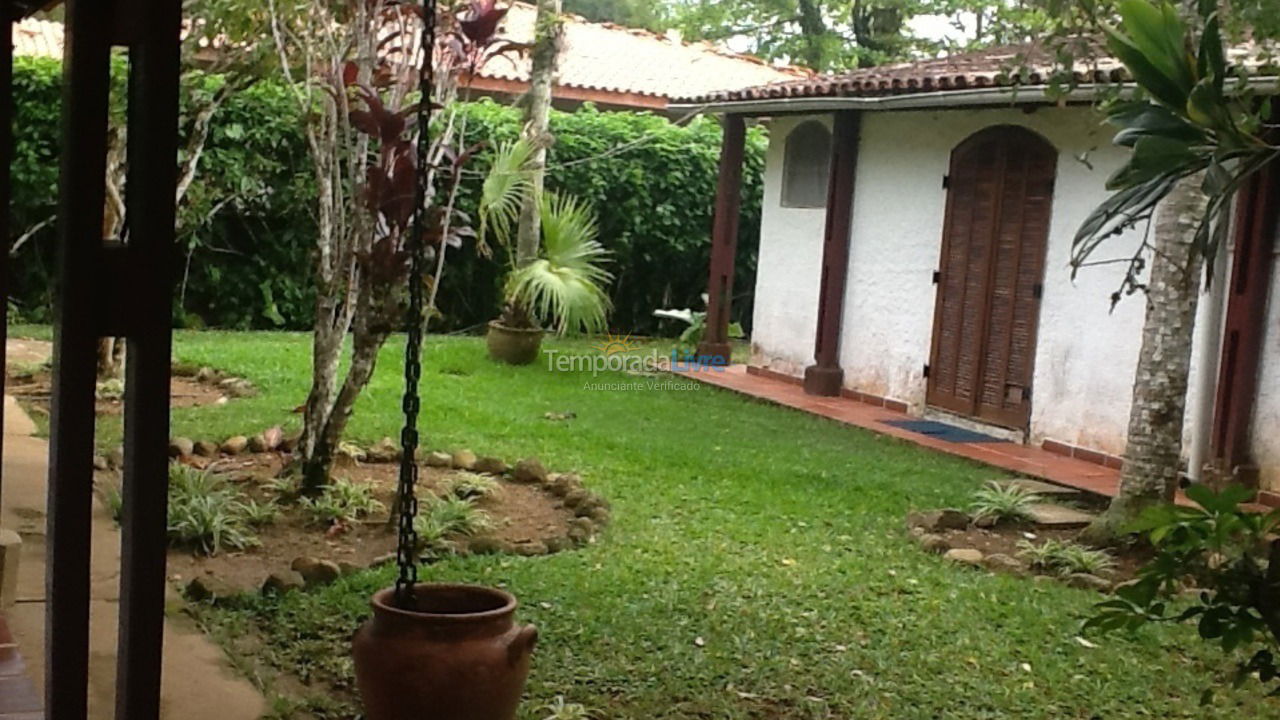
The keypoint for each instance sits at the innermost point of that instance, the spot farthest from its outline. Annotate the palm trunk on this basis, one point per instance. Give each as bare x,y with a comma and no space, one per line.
1153,456
537,118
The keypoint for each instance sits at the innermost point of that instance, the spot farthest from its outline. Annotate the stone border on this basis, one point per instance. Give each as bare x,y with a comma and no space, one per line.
592,512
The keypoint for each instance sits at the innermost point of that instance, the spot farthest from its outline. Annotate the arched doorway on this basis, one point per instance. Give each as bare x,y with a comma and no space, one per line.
999,204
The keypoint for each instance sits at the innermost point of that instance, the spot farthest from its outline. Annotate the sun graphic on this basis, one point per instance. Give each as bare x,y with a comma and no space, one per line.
615,345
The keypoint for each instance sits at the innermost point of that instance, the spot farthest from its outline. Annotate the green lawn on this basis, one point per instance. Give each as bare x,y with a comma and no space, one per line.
757,566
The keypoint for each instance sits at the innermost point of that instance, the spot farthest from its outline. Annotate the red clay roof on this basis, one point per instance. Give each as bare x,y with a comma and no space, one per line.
628,64
1007,66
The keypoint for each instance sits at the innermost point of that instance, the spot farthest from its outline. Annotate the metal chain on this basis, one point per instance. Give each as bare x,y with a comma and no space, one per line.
407,547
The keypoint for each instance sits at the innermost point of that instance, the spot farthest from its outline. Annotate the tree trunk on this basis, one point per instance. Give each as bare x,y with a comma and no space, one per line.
1153,455
537,115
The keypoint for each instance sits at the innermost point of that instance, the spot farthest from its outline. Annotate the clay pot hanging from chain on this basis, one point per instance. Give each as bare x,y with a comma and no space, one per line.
457,655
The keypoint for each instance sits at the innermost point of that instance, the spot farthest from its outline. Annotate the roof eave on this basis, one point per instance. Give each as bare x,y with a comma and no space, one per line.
937,100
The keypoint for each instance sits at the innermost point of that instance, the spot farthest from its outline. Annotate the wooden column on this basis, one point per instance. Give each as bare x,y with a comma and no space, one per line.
81,189
7,18
825,376
724,242
1257,212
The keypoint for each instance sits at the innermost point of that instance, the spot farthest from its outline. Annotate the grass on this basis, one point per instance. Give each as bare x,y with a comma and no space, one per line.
757,565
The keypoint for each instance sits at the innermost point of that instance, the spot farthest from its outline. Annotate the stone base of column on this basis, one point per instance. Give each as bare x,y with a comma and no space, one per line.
823,381
715,353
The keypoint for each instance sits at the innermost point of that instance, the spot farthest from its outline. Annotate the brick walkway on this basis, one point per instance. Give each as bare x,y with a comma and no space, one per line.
1020,459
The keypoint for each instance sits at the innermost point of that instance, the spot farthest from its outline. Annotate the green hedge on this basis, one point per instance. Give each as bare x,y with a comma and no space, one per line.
247,225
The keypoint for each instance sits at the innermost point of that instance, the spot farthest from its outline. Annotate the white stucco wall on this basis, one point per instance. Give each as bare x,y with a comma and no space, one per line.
1086,353
786,303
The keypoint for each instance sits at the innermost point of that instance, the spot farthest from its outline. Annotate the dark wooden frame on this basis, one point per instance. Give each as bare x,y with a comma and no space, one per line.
1013,420
715,345
113,290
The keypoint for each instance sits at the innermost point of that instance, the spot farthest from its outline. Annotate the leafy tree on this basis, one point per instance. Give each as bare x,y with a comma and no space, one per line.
647,14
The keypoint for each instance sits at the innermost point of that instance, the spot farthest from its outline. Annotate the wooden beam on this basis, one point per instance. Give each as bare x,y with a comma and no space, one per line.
715,346
825,377
154,68
6,197
81,189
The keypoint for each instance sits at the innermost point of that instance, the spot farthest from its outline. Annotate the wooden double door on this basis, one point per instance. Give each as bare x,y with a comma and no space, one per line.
999,205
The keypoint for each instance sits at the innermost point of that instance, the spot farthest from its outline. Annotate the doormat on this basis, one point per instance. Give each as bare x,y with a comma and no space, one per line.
943,431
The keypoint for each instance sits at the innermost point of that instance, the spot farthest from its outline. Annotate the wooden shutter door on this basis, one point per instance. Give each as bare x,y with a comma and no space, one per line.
994,239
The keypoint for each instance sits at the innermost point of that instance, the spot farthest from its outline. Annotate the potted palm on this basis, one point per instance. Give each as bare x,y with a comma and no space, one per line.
561,288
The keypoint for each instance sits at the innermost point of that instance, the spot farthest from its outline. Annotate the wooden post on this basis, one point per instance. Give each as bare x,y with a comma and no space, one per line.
825,376
1257,212
724,242
6,194
154,67
81,187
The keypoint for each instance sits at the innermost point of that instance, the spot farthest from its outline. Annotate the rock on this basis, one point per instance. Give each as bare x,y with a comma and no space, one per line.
116,458
240,388
346,567
439,459
258,444
273,437
929,542
986,521
235,445
279,583
576,498
180,447
936,520
1043,489
289,442
101,463
486,545
964,556
385,451
530,470
531,549
1085,581
382,560
558,544
464,460
206,375
562,485
316,572
1059,516
205,448
209,587
581,530
999,562
491,465
600,515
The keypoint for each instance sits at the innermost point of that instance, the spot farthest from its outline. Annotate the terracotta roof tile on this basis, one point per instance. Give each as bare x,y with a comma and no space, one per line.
37,38
1005,66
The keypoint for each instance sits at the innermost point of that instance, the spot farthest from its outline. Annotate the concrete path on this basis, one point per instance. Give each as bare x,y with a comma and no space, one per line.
198,683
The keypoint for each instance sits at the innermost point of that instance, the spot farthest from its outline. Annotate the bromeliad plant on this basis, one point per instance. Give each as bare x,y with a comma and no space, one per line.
1193,114
1232,556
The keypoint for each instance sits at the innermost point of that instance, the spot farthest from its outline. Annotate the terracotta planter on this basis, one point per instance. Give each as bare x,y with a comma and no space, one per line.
514,346
459,656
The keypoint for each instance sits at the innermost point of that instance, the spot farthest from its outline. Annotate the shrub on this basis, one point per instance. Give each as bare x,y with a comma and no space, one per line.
204,513
258,514
1004,502
247,225
467,485
342,502
444,518
1065,558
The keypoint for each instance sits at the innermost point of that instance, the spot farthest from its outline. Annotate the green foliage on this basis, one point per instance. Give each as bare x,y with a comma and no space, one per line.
206,514
564,285
1228,552
696,327
343,502
258,514
468,485
1004,501
247,225
1186,121
646,14
441,520
1065,558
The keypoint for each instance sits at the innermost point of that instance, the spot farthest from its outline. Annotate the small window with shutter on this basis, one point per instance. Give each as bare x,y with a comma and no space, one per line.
807,166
